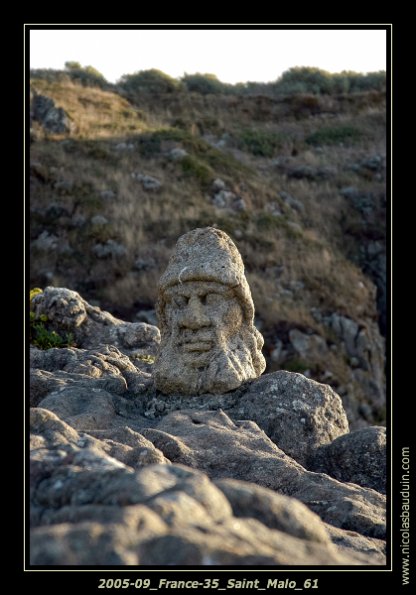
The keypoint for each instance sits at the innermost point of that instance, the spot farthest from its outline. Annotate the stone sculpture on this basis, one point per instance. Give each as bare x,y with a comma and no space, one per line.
206,317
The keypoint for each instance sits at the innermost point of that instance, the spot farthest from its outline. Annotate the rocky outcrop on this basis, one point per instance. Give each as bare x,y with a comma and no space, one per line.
122,474
358,457
276,402
53,119
212,442
363,347
369,226
87,507
66,310
312,411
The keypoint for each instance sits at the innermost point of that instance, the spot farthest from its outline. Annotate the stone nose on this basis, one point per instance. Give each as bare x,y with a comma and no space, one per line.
194,315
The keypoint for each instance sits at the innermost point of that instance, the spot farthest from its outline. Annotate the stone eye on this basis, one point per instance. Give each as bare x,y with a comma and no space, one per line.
180,301
203,299
212,298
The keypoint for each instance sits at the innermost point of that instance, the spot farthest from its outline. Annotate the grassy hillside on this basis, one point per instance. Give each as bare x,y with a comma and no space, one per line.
298,181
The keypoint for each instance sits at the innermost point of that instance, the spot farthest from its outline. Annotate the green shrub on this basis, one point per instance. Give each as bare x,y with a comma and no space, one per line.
261,143
88,78
71,65
40,333
357,82
334,135
195,168
305,79
301,79
204,83
302,105
269,222
296,364
149,81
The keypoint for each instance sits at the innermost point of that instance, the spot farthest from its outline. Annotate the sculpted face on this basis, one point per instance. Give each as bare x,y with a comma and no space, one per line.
205,314
207,346
201,317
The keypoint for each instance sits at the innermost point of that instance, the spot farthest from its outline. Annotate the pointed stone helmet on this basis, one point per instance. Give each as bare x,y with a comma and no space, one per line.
207,254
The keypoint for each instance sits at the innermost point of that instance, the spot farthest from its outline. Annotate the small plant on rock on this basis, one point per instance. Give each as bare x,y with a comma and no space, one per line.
40,333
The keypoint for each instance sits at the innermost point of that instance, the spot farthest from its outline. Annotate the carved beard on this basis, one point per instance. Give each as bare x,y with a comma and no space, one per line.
230,362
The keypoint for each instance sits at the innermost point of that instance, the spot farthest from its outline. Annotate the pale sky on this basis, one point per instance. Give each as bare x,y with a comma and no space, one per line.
233,55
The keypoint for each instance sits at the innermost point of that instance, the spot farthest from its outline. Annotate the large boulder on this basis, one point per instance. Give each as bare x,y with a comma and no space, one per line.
90,327
358,457
296,413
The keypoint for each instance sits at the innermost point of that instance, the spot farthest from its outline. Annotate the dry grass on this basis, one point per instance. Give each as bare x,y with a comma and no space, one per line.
95,112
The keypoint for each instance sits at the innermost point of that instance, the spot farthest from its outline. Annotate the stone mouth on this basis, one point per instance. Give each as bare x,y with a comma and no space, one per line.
197,345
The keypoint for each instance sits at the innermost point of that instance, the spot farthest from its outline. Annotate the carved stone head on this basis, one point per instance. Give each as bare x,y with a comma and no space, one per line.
206,318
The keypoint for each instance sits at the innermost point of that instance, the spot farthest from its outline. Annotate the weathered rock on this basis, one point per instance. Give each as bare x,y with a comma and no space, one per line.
43,382
99,220
96,449
40,105
234,541
237,542
275,511
124,147
177,154
108,194
218,185
364,346
80,477
58,449
212,442
350,542
206,318
144,264
292,202
296,413
82,409
103,445
358,457
45,242
224,199
110,249
129,447
67,310
308,346
95,387
89,509
273,208
147,182
53,119
106,368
